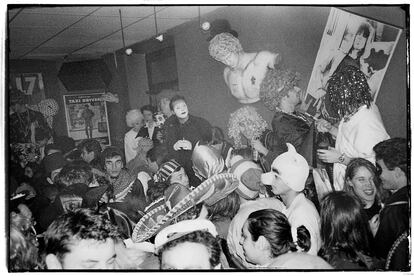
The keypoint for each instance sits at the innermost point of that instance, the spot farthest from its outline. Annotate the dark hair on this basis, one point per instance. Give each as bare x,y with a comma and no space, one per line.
352,169
393,152
217,135
148,107
275,227
192,213
175,99
156,190
158,154
23,244
344,227
224,208
81,224
348,90
364,28
92,145
42,133
376,60
201,237
111,152
77,172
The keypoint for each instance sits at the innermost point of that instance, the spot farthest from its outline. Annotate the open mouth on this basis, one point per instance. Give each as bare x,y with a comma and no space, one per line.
369,192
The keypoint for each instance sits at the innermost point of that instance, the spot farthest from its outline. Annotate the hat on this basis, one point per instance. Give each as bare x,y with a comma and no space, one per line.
183,228
221,190
160,216
207,161
291,167
54,161
248,173
166,169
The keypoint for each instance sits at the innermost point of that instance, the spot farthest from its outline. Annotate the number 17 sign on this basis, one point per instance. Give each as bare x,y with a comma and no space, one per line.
31,84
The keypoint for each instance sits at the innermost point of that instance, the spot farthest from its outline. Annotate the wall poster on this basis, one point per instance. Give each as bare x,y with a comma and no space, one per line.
87,117
350,39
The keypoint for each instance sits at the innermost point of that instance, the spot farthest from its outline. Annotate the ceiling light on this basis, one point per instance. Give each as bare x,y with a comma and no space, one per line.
160,38
128,51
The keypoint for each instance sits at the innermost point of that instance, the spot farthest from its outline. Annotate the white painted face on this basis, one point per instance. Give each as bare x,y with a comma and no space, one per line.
231,60
180,109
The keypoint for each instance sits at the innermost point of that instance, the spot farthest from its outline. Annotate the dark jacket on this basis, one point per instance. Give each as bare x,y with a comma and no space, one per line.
394,220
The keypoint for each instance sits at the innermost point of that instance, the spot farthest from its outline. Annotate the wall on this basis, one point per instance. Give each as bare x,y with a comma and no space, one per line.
295,32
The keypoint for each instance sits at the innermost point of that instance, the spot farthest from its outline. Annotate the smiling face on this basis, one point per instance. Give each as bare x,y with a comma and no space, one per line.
294,96
148,116
363,184
180,109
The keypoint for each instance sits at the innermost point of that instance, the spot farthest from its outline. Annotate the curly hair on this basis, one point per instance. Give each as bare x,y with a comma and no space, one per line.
202,237
222,45
275,85
77,172
275,227
133,116
81,224
348,90
393,152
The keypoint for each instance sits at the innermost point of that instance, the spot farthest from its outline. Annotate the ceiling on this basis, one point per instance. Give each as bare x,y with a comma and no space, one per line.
82,32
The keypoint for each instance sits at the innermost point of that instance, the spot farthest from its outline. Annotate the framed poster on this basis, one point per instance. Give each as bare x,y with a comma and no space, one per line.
350,39
87,117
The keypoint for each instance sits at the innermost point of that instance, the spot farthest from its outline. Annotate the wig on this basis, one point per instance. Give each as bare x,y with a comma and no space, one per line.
275,85
133,116
347,91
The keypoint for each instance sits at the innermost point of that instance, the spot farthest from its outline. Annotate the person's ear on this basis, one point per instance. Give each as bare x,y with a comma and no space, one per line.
52,262
349,182
262,243
399,173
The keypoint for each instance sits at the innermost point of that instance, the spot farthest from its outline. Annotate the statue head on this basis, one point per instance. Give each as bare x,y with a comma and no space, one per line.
223,45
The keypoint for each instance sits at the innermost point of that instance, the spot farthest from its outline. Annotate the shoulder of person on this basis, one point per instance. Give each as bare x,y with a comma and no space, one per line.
265,56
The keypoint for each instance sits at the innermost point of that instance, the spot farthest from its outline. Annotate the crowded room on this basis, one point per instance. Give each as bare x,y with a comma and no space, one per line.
207,138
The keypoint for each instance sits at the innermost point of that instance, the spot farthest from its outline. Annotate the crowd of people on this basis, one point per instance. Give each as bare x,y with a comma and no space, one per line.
178,195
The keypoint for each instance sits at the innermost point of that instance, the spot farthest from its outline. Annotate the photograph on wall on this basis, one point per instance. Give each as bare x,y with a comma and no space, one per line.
87,117
350,39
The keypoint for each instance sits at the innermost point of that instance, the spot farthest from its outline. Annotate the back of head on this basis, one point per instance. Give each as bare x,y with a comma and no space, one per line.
393,152
77,172
343,225
299,261
158,154
133,116
81,224
348,90
275,227
92,145
225,208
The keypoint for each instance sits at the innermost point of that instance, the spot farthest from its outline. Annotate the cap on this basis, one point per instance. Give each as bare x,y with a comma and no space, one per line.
289,166
248,173
166,169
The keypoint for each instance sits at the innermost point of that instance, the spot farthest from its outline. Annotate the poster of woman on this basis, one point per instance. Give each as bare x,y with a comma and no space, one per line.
86,117
350,39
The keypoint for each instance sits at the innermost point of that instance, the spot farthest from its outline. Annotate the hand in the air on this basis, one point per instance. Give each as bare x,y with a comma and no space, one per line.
330,155
257,145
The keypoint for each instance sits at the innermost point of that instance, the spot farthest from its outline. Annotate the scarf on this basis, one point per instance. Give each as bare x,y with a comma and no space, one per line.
122,185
